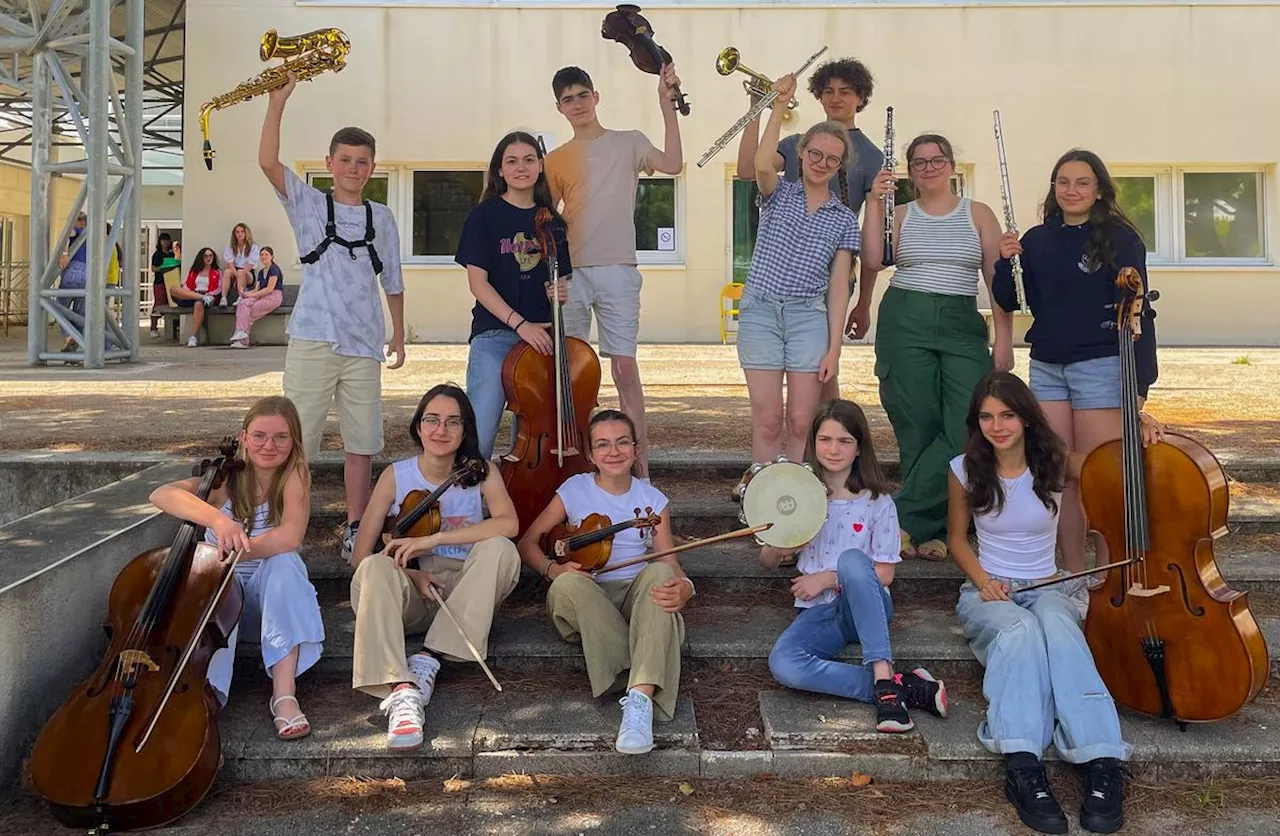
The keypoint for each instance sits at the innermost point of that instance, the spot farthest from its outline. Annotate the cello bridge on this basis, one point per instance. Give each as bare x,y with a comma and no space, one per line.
1148,591
131,660
568,451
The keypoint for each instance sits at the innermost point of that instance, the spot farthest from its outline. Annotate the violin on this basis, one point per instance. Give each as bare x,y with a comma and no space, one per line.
137,744
631,29
551,398
1169,637
590,542
420,512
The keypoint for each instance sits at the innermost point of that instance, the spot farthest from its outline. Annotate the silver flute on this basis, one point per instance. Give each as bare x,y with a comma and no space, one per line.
1006,196
891,198
756,109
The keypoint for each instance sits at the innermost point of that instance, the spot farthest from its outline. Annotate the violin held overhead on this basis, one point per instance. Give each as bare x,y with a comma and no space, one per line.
631,29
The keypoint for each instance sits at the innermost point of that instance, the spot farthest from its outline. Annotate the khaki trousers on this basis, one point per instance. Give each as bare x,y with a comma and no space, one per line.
388,605
620,628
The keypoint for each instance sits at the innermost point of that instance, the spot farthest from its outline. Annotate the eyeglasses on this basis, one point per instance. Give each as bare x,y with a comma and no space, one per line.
936,163
453,424
815,156
1082,184
604,445
580,98
259,439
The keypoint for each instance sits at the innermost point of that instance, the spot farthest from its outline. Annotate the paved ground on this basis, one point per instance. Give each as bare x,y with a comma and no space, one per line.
181,400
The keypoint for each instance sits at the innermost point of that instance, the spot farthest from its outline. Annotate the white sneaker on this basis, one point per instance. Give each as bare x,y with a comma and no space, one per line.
239,336
208,300
155,335
635,735
191,341
404,718
239,344
423,667
239,301
348,541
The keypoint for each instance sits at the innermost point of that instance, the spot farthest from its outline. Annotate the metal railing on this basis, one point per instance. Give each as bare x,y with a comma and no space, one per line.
14,279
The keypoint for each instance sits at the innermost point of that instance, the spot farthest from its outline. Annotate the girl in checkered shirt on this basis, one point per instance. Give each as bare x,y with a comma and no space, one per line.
793,307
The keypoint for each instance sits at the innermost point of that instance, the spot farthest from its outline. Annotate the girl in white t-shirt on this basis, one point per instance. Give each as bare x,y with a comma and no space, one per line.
625,620
241,257
470,563
1041,683
842,594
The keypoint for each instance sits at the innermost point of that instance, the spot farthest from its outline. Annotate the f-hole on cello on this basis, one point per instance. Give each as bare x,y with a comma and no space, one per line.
1168,636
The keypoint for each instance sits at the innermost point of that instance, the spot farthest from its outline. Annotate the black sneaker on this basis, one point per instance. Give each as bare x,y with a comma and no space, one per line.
1026,785
1102,810
923,692
891,708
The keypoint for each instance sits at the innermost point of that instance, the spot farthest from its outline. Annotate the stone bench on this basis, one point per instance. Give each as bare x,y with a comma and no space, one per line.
220,322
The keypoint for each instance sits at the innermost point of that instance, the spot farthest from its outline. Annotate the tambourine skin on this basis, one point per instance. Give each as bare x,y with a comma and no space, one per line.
789,496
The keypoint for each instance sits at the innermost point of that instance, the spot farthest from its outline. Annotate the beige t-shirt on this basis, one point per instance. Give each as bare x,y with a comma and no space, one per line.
597,180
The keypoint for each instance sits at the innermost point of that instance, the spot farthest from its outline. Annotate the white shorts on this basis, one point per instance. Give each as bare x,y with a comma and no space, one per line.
315,376
613,292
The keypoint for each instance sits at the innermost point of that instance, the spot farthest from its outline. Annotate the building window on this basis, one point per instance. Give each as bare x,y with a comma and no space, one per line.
441,202
746,217
375,189
656,221
906,191
1188,217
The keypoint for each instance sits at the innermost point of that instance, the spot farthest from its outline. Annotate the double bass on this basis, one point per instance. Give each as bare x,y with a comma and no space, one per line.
551,398
631,29
137,744
1169,637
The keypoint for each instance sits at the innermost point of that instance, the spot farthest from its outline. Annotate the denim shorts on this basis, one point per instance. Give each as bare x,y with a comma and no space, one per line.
782,333
1088,384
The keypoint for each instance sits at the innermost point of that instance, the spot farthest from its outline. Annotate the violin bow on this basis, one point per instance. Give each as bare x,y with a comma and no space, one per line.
475,653
1074,575
706,541
547,241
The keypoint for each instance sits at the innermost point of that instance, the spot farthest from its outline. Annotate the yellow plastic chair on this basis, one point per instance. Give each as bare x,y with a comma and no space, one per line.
731,293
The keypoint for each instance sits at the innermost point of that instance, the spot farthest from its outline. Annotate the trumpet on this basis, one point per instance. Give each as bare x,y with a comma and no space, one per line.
305,56
756,109
756,84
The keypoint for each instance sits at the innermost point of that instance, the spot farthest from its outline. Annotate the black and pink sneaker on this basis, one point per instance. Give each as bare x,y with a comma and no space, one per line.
891,708
923,692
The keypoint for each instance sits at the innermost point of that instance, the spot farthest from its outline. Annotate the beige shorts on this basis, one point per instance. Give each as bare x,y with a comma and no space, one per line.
613,292
314,376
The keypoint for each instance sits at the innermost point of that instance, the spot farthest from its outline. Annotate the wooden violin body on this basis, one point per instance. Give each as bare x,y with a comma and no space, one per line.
419,514
1214,656
557,543
631,29
86,763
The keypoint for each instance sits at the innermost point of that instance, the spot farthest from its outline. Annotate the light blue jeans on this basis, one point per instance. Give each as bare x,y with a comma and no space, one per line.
1041,684
484,382
803,657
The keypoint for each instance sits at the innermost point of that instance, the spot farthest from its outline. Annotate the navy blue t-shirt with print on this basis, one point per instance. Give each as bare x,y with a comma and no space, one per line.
501,239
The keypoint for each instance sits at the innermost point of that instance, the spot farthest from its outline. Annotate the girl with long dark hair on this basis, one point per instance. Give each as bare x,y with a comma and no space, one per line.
931,343
842,594
199,291
470,562
1069,265
1041,684
508,273
628,621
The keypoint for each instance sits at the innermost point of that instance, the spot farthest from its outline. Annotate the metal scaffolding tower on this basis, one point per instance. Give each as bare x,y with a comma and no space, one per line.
64,65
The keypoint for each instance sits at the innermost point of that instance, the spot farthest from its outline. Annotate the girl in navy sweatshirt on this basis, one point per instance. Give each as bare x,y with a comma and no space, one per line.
1070,263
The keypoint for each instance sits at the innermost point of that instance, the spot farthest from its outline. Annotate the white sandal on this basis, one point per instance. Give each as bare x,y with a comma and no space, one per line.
286,732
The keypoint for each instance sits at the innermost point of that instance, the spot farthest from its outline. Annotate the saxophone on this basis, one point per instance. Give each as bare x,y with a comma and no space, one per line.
312,53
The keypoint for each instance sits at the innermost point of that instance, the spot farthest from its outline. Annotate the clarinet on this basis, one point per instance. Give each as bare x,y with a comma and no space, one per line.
1010,225
889,199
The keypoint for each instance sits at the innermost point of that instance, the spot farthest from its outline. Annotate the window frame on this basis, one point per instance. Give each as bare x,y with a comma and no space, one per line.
1163,251
665,258
405,209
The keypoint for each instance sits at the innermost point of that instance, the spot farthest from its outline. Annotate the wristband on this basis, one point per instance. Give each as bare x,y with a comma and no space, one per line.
507,321
546,569
518,324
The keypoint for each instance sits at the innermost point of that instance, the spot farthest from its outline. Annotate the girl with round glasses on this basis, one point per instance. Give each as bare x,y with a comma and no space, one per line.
1069,268
628,622
470,563
931,342
792,314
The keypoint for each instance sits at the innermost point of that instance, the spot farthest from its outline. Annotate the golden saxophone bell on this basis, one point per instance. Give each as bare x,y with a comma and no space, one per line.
756,84
306,56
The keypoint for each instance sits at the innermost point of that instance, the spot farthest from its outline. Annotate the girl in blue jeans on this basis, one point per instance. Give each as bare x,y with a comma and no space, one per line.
508,273
1041,684
842,595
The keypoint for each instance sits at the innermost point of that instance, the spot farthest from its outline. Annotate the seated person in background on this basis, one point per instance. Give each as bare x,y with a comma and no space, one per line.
163,260
259,298
199,291
241,258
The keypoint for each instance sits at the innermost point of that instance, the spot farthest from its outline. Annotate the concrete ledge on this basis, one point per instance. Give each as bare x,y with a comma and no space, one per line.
32,481
56,570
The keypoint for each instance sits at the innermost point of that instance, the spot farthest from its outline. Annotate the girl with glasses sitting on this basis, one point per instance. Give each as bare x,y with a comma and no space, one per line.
470,563
628,622
792,313
931,342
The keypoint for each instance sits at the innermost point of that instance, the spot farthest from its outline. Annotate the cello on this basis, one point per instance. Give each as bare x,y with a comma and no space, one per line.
137,744
628,27
1169,637
551,398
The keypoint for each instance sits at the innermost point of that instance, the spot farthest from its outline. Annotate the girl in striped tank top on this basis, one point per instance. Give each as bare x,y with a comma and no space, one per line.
470,563
280,612
931,343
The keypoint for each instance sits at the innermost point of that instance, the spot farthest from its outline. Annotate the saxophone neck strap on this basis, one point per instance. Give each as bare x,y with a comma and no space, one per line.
331,237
